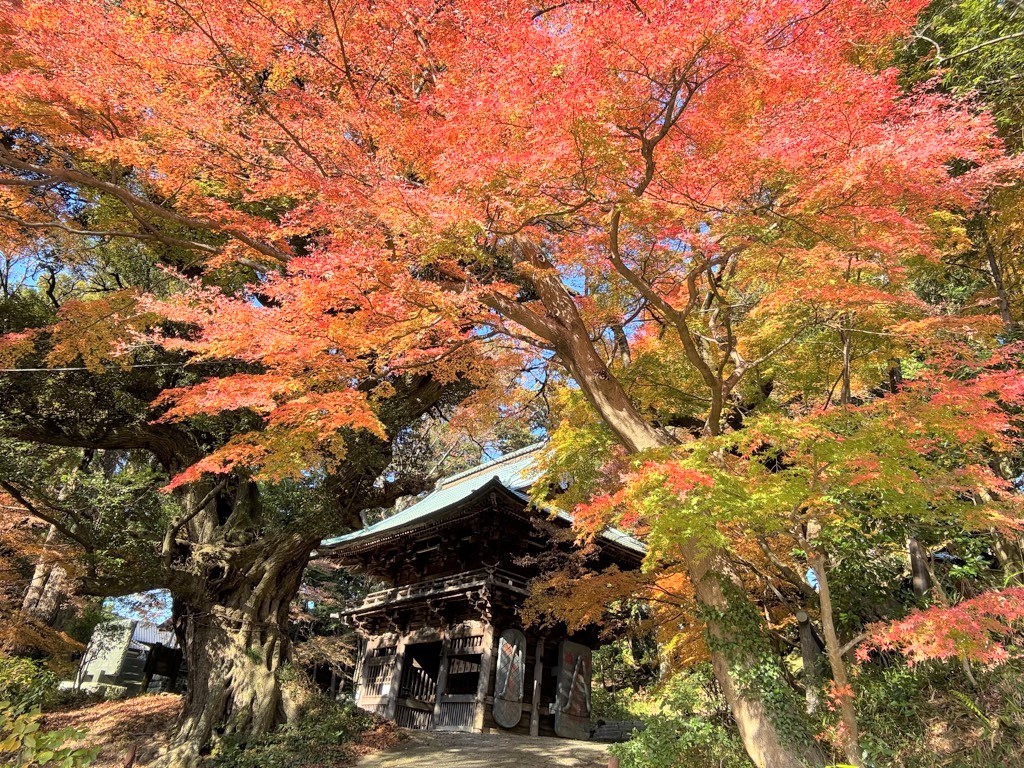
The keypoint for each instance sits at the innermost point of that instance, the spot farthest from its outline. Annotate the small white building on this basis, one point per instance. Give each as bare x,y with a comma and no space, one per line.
125,655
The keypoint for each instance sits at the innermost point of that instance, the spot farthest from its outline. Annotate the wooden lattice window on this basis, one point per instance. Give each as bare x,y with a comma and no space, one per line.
380,665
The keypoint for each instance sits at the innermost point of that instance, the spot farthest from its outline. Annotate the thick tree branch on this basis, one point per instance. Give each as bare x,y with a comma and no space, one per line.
65,530
518,313
51,174
979,46
147,236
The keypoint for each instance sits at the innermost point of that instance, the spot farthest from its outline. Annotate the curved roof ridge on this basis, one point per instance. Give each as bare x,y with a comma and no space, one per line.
487,465
514,472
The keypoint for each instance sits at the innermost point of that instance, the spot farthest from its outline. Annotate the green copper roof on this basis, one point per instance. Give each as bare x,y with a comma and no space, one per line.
516,471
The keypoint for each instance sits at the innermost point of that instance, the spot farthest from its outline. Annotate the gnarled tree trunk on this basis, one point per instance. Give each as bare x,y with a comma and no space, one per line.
234,631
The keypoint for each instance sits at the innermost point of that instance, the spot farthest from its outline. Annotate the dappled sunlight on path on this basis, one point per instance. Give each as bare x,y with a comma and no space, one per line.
470,750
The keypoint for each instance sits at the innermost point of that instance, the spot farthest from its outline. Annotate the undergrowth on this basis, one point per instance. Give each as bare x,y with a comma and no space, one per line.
923,716
687,723
25,687
930,716
329,733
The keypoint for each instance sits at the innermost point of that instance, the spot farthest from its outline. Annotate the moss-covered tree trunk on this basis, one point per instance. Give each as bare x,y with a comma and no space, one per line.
766,710
772,729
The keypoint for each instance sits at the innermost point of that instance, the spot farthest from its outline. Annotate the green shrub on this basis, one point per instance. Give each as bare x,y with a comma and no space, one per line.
689,727
323,734
617,705
672,741
929,716
24,684
24,743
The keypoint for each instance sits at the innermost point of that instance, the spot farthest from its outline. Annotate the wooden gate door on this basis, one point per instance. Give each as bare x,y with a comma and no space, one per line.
458,701
417,691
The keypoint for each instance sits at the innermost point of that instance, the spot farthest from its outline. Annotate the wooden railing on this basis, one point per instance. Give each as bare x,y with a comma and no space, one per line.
482,577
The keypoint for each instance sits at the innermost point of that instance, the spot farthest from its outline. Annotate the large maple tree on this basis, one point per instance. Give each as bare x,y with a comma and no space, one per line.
87,446
670,202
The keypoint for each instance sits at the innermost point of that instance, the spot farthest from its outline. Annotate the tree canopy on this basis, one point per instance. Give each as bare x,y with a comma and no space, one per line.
716,235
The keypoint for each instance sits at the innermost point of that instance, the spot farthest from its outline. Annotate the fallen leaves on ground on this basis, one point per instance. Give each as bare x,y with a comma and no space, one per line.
141,722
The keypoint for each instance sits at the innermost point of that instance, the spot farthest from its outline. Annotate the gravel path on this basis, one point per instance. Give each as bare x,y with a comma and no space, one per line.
470,750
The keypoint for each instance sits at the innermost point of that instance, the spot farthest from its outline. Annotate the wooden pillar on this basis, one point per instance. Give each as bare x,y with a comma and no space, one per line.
396,678
442,675
486,665
538,674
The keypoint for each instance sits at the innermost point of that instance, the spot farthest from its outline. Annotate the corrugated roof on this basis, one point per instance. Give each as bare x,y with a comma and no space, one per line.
516,471
148,633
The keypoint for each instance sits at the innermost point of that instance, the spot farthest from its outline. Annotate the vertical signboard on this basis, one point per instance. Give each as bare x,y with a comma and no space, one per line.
508,681
572,703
